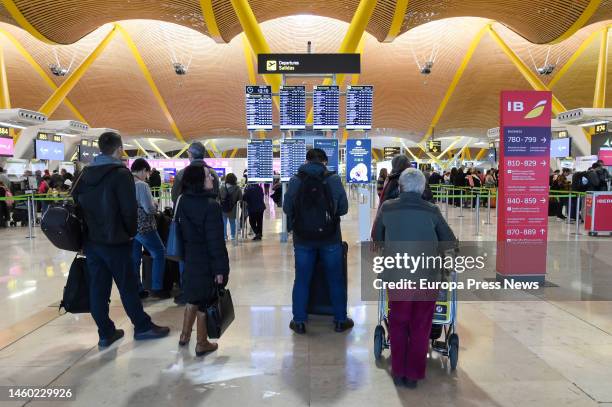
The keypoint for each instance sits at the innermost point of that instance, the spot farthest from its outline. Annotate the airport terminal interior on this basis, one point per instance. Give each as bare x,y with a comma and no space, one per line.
492,117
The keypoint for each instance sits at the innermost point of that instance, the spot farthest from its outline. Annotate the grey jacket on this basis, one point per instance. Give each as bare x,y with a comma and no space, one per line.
236,194
177,186
411,224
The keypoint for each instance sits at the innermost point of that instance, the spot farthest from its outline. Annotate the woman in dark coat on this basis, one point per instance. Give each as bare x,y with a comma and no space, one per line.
206,260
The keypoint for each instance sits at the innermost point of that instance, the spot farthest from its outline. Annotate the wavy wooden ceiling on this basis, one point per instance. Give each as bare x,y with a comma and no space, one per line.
208,102
66,21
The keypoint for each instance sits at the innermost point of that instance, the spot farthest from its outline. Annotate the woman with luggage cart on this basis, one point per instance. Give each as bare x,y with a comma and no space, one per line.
420,227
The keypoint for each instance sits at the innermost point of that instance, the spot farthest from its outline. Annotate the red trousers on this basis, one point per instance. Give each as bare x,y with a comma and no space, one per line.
409,331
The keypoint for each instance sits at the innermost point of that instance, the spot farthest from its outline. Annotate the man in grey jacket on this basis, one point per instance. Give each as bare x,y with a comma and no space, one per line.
196,154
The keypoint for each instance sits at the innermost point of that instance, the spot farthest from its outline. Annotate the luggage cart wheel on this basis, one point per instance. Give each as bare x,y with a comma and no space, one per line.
453,351
379,340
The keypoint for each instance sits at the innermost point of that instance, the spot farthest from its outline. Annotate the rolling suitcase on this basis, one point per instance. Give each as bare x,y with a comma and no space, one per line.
171,273
319,300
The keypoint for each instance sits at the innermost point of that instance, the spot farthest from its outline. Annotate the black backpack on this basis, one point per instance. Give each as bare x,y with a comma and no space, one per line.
314,213
578,183
76,291
227,203
63,225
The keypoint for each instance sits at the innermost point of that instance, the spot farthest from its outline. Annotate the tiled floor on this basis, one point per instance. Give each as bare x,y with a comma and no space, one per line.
527,353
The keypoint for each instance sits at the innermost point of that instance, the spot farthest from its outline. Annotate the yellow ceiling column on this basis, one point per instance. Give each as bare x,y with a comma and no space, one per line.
599,99
181,151
401,7
453,84
149,78
5,96
480,154
574,57
41,72
62,91
233,154
586,15
20,19
211,22
450,146
535,82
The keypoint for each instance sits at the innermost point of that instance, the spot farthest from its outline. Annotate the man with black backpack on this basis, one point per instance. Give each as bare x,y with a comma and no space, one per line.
106,197
314,202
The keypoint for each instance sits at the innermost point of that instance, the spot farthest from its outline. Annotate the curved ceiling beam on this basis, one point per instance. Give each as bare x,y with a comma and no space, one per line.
401,7
586,15
19,18
41,72
211,21
599,99
5,96
149,78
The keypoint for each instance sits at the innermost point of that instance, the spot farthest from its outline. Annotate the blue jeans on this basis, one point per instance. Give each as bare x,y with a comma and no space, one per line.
106,263
232,222
305,260
152,242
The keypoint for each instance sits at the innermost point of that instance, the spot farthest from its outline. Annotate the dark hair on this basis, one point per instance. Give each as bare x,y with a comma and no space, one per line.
193,178
140,164
399,163
109,142
316,155
1,170
231,179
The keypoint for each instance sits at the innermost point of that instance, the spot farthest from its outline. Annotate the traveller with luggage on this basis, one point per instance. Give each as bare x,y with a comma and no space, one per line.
147,235
229,195
256,207
200,221
314,202
106,197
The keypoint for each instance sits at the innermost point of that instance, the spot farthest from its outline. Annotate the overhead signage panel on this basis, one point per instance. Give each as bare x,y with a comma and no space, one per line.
359,107
259,107
292,107
259,161
293,155
309,63
326,104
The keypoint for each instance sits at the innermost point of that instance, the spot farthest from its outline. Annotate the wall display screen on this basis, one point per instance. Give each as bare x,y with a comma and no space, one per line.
259,161
561,147
7,147
326,106
48,150
330,146
88,150
359,107
293,155
292,107
259,107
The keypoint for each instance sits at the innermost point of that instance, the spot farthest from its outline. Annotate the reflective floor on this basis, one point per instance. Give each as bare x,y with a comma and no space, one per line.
527,353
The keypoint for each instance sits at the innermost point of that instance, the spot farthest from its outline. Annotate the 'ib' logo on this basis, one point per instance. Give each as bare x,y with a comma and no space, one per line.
536,111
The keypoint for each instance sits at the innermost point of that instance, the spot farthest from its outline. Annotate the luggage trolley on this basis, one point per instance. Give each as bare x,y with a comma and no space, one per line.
444,320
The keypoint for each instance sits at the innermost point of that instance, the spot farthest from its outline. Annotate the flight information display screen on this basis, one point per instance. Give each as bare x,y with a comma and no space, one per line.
259,161
326,105
359,107
292,107
259,107
293,155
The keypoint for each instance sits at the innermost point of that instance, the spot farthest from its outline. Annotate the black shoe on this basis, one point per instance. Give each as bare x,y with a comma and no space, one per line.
411,384
562,217
143,294
155,332
160,294
106,342
298,327
258,237
180,299
398,381
343,326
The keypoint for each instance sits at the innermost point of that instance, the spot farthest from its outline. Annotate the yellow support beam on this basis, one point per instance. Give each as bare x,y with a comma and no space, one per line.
599,99
211,21
574,57
253,32
54,101
450,146
248,57
453,85
141,148
375,155
586,15
182,150
468,154
412,154
5,95
480,154
149,78
156,148
535,82
401,7
40,71
20,19
233,154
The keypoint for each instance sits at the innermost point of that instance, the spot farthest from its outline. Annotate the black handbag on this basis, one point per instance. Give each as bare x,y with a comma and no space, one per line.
76,291
220,314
